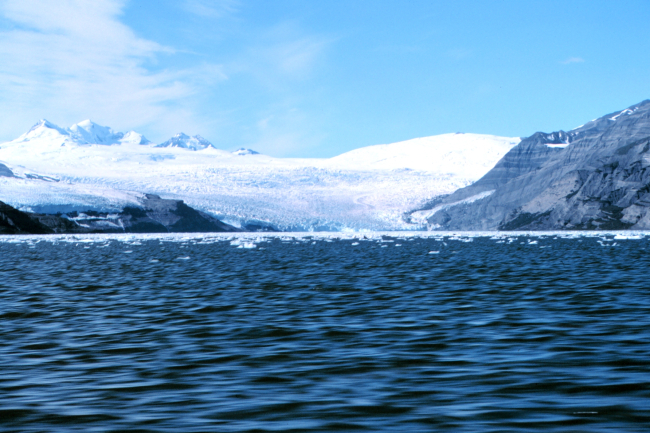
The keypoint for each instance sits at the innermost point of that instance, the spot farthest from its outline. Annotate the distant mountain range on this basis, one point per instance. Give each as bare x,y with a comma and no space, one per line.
596,176
88,132
89,167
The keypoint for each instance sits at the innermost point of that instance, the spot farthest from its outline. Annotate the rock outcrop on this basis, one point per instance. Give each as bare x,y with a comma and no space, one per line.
5,171
596,176
160,216
156,215
15,222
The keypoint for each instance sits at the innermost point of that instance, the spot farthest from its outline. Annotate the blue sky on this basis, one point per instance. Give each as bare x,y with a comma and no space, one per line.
308,78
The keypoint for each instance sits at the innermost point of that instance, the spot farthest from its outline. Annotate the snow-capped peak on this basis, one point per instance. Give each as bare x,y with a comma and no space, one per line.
244,151
43,129
184,141
133,137
88,132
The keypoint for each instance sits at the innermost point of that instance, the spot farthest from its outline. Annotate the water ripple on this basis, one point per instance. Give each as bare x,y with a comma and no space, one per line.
312,334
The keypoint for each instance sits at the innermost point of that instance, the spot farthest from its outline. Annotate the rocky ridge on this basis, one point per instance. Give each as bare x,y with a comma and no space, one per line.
596,176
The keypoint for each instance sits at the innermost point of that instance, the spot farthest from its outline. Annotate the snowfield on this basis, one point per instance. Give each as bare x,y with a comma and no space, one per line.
91,167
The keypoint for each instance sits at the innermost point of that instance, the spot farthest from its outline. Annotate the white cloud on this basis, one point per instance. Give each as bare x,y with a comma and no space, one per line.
73,59
573,60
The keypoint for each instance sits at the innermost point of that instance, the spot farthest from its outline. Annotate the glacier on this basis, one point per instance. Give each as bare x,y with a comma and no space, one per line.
91,167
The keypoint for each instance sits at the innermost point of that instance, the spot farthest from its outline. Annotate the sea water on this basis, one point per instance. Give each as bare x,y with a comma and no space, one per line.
321,332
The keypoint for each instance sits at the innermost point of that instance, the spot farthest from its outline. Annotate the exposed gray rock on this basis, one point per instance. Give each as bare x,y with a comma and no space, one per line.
600,180
161,215
5,171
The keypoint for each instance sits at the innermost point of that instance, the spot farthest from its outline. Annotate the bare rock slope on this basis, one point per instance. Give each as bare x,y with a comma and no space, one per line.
596,176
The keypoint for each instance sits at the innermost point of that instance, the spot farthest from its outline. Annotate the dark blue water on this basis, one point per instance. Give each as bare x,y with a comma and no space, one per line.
310,335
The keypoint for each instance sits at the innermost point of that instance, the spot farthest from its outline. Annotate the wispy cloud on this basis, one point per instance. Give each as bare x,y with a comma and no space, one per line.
282,55
72,59
211,8
573,60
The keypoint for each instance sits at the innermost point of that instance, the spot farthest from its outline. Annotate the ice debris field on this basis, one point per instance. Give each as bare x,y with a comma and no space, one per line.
392,239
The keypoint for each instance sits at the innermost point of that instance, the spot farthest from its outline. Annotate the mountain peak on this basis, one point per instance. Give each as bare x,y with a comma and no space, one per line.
244,151
133,137
86,123
88,132
184,141
44,129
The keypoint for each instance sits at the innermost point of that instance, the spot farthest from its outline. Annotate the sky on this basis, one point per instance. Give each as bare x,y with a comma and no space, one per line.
301,78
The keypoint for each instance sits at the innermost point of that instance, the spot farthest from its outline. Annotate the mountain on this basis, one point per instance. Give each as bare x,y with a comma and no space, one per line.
369,188
184,141
79,134
596,176
463,155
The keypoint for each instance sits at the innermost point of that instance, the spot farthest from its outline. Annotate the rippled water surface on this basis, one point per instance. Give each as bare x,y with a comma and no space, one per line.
453,333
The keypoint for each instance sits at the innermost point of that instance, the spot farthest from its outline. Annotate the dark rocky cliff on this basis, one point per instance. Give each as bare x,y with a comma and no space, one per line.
13,221
156,215
600,180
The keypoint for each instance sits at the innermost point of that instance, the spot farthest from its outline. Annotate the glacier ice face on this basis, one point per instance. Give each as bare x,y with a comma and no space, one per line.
366,189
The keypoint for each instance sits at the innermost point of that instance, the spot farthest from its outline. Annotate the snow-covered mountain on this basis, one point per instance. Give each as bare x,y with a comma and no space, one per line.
184,141
56,169
82,133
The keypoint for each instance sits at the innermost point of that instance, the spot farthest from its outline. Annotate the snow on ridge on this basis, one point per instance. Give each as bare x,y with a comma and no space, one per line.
243,151
626,111
461,154
422,216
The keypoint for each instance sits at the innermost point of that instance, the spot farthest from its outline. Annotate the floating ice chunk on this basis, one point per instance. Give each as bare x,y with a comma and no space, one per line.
434,252
629,237
183,258
355,243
